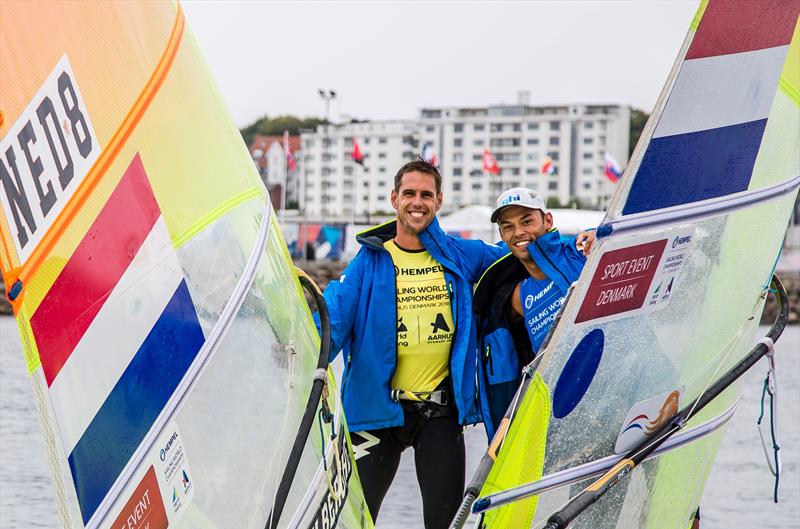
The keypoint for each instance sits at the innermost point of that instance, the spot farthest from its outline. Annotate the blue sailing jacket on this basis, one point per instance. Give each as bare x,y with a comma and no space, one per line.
363,313
503,340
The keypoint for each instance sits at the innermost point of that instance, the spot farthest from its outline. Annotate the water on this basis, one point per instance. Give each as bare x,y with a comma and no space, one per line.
738,494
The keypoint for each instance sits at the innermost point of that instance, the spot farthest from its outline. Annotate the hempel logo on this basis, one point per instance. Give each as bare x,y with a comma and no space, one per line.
681,240
172,439
529,301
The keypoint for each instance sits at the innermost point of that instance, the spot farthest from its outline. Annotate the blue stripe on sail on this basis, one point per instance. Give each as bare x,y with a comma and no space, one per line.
695,166
136,401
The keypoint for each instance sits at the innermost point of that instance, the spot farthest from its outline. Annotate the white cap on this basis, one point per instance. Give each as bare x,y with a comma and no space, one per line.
518,196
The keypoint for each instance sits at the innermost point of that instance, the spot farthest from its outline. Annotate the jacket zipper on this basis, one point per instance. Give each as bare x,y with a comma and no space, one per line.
489,359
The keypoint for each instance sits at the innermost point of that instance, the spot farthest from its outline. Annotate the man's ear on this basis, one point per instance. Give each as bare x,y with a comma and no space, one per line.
393,198
438,200
548,220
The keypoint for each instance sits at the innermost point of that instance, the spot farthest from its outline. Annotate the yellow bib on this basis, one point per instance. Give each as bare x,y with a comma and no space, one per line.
424,320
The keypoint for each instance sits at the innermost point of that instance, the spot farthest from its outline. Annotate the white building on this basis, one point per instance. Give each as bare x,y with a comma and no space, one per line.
332,184
576,137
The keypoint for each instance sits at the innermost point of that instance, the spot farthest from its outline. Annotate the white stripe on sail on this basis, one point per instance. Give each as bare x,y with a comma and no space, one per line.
112,339
715,92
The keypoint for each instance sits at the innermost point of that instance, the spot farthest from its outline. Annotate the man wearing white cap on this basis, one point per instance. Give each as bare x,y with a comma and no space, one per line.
517,299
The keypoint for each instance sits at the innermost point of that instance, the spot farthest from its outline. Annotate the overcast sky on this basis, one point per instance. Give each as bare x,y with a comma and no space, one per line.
389,59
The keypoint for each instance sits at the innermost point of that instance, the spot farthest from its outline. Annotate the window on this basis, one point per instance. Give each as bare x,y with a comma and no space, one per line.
588,141
516,127
381,140
457,171
381,169
381,155
456,186
382,183
587,170
554,140
429,128
533,126
553,155
532,156
478,127
496,127
555,125
477,157
458,127
458,157
552,185
587,156
533,141
587,185
515,171
458,142
476,185
588,125
348,169
366,141
477,143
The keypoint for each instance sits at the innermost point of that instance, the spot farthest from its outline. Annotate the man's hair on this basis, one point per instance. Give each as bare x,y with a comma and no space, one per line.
421,166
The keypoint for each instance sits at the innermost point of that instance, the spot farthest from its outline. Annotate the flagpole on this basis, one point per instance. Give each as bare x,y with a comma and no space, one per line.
355,193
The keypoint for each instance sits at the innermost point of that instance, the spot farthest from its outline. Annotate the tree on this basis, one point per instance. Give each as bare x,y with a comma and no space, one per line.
638,121
267,126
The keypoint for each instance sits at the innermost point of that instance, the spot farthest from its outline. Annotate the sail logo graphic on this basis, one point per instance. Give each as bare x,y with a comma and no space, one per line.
44,157
646,417
187,485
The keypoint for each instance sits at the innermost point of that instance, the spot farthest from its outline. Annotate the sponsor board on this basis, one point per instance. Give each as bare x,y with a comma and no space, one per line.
634,276
44,157
167,487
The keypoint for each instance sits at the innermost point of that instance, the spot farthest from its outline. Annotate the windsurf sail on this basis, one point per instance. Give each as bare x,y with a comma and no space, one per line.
166,336
671,295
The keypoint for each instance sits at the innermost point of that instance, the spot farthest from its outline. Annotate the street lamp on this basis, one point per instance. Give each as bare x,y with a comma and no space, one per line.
327,95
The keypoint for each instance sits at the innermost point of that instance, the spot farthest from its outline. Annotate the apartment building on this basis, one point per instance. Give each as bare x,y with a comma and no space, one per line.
520,136
332,184
575,137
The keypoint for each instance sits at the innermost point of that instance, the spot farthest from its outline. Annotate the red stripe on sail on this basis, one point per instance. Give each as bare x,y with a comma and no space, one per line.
735,26
94,269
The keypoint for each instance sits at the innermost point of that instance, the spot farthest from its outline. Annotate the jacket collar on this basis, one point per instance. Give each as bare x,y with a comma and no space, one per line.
433,239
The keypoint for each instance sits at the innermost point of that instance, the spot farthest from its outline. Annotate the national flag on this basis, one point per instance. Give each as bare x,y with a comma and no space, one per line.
116,333
612,169
357,156
547,166
490,163
290,162
428,155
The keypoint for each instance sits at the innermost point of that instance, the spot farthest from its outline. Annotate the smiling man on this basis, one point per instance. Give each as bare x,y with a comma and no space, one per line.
519,297
401,314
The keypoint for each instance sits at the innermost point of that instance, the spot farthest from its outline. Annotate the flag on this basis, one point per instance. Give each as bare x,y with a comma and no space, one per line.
547,166
98,371
612,170
490,163
357,156
428,155
291,164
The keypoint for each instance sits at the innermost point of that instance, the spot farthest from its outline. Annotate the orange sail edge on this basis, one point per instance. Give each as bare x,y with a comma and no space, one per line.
15,278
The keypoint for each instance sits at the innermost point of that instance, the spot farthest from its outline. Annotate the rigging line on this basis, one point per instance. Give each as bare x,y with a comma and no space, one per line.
697,210
577,505
597,467
19,276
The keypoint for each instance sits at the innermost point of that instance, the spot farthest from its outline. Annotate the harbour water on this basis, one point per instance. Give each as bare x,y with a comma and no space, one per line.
738,494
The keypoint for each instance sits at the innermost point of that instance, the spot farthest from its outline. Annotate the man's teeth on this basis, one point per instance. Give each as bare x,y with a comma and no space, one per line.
417,214
522,244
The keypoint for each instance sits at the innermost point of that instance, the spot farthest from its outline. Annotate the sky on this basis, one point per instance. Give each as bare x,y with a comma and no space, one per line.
387,60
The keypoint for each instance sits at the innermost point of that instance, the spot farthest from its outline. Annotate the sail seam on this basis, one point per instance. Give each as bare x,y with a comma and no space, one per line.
101,165
785,85
214,214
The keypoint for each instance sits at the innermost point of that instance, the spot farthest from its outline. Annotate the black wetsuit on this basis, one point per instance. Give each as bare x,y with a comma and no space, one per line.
438,441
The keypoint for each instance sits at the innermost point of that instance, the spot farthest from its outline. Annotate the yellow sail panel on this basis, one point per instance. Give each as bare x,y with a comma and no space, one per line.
159,313
521,458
